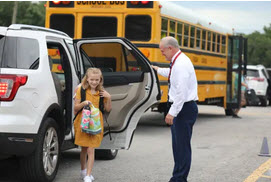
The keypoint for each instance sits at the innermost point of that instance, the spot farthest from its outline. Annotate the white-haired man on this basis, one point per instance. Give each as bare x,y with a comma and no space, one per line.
183,109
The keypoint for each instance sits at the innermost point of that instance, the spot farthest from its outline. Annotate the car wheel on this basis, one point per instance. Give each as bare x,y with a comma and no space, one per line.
43,164
106,154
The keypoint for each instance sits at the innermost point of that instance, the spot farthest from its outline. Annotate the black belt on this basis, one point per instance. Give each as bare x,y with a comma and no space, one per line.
170,103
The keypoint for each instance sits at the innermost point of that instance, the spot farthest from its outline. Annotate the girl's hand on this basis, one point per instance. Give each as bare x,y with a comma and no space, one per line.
105,94
86,102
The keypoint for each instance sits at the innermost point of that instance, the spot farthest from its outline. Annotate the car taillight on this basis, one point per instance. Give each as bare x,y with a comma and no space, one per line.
9,85
139,4
258,79
66,4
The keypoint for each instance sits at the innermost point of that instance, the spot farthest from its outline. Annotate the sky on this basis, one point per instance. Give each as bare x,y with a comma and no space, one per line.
244,16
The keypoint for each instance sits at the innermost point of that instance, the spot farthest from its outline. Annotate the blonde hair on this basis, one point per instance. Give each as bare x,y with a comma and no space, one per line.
85,83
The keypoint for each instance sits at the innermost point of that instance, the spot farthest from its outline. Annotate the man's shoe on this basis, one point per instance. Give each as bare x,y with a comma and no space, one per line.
236,116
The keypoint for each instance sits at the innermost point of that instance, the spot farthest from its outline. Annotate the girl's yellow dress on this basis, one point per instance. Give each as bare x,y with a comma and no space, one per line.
85,139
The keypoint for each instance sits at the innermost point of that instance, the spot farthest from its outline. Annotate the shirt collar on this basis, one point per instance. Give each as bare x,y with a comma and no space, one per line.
89,92
175,55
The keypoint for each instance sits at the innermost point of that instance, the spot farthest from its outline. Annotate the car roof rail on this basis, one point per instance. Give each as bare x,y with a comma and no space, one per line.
32,27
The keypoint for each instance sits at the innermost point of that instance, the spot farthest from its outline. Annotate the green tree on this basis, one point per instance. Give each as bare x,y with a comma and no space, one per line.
34,14
28,13
259,47
6,8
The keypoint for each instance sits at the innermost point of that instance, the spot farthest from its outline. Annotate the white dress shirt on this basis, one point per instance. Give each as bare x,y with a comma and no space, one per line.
183,83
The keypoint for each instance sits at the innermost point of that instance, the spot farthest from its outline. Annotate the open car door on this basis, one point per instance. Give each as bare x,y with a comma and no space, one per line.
128,77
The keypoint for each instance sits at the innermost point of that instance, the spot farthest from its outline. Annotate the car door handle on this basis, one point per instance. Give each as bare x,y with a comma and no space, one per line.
147,87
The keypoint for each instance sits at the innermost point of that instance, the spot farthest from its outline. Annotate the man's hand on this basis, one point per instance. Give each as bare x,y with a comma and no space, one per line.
155,67
169,119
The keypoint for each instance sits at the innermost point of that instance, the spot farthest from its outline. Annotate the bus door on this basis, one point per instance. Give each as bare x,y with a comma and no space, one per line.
237,55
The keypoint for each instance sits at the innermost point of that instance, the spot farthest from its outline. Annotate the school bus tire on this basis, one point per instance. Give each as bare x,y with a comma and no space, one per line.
229,112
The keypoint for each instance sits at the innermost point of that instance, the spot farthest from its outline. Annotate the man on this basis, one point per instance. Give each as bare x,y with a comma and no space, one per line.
183,109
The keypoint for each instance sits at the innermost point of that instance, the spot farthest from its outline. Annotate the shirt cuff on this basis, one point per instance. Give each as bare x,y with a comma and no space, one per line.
159,71
172,112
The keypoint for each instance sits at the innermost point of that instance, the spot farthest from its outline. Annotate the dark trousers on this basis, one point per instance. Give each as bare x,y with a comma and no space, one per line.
181,131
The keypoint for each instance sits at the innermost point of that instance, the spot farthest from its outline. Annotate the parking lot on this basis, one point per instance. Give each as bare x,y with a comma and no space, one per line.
224,150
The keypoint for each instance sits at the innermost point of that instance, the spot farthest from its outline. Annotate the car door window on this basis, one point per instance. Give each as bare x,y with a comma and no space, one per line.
118,64
111,57
264,73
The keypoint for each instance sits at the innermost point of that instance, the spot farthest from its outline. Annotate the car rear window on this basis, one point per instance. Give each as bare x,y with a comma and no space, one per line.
17,52
253,73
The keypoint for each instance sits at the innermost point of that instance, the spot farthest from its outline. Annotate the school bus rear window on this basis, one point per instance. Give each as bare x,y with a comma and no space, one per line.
138,27
94,26
63,22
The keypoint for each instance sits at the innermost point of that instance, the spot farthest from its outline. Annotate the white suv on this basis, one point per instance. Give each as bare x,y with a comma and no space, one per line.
258,79
39,71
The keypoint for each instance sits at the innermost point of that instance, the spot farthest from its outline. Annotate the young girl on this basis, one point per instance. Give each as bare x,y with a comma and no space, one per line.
93,84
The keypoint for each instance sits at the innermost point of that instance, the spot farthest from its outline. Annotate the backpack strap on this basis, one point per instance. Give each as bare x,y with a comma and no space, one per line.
101,104
83,94
83,98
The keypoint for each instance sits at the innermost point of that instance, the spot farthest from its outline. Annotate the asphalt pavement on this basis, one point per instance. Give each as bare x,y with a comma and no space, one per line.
225,149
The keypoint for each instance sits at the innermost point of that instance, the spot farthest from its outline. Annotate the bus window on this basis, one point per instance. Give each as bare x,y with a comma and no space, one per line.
223,44
186,35
218,44
214,42
209,41
198,39
94,26
163,28
172,28
66,25
192,36
138,27
203,42
179,33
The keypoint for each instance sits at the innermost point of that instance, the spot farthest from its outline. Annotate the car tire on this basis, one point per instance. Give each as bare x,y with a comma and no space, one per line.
106,154
43,164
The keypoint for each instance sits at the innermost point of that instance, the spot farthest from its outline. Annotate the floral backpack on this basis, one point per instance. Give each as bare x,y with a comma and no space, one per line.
91,121
90,114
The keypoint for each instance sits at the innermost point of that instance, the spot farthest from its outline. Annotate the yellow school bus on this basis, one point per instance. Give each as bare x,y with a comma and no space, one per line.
217,55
